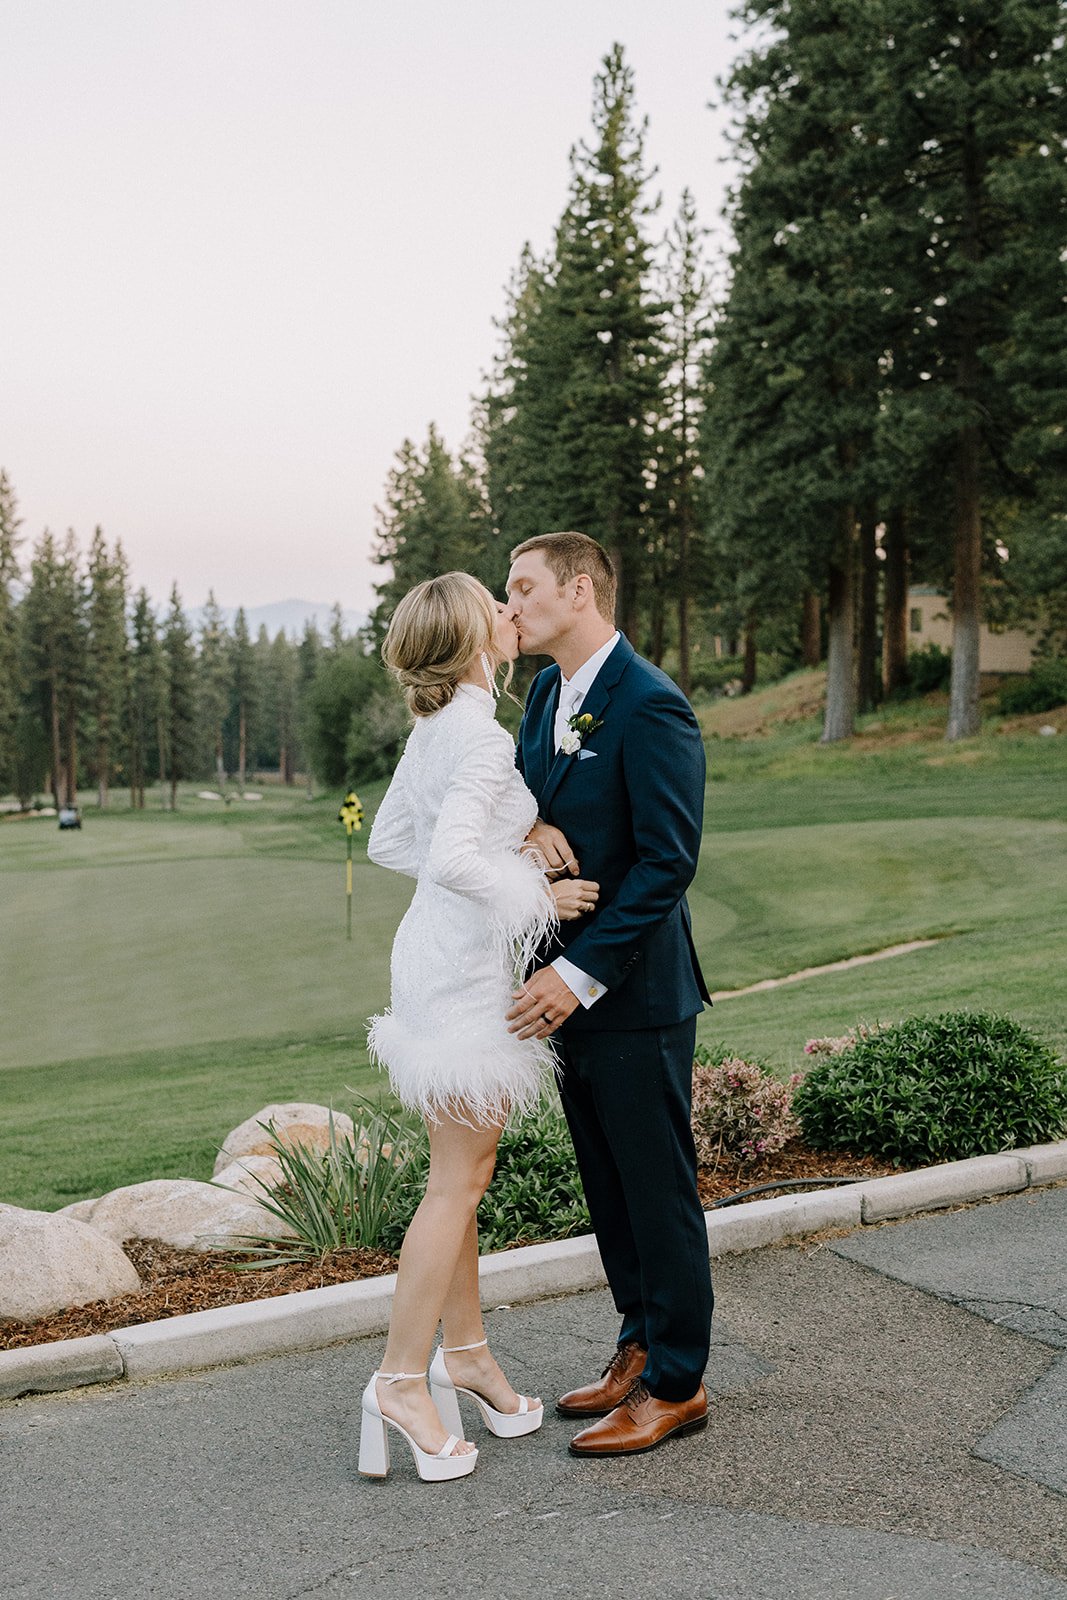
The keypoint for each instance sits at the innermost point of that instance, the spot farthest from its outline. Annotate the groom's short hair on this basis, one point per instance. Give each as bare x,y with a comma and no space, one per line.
568,554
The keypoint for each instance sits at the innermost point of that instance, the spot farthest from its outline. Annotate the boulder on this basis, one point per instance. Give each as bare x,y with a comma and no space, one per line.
297,1122
181,1212
49,1261
250,1173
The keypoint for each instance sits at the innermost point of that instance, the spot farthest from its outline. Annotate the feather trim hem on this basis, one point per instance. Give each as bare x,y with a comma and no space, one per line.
479,1081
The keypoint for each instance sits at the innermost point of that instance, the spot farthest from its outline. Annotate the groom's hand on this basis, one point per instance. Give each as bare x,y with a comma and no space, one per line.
541,1004
553,849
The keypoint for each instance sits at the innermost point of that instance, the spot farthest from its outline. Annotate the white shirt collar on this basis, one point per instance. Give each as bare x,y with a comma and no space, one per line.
582,681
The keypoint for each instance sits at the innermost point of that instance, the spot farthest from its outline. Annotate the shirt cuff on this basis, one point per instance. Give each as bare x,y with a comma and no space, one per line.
585,989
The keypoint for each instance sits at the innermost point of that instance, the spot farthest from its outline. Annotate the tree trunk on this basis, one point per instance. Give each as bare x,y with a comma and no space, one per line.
895,612
659,621
174,791
220,770
748,668
867,676
685,664
964,715
839,721
57,759
72,753
811,630
242,733
161,746
103,762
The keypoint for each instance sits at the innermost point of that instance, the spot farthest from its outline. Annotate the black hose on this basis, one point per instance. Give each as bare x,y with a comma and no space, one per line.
783,1183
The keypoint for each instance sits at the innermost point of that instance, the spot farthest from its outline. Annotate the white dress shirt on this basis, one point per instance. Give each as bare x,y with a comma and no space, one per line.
572,691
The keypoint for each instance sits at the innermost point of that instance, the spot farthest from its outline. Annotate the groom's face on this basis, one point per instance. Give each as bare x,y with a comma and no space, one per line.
541,610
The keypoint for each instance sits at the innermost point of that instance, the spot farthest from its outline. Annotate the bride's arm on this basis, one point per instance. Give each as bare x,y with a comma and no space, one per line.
462,856
392,837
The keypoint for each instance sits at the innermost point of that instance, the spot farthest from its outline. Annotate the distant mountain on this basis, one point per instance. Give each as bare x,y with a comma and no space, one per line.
288,616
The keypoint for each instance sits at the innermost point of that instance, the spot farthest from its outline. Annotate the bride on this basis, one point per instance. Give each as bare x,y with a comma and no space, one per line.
455,818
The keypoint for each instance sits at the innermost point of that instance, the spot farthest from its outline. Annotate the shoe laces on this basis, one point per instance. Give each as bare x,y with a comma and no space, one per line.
621,1355
636,1395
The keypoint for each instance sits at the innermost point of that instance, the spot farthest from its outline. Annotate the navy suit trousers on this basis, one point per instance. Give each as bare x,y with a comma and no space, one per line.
627,1098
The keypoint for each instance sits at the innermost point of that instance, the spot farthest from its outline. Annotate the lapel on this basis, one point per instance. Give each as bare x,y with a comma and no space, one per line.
595,703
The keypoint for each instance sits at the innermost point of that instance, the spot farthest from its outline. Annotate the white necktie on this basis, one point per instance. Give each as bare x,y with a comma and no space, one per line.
570,699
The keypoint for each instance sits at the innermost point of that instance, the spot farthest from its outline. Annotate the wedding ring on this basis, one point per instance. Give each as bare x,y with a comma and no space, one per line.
545,1017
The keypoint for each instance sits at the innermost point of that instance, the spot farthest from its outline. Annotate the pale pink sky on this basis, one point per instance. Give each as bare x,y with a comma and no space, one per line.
251,245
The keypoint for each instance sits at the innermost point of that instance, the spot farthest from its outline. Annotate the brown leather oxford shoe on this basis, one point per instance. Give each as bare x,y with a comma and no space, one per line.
640,1423
597,1399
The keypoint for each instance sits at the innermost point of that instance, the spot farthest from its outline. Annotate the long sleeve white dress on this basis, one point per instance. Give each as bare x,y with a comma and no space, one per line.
453,818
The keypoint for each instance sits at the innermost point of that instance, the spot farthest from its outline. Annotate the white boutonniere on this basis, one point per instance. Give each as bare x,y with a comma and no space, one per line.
578,727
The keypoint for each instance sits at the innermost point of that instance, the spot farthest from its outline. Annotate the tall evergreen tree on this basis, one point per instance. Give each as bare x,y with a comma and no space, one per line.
10,687
145,691
213,684
677,504
106,657
179,722
975,96
53,637
433,520
243,691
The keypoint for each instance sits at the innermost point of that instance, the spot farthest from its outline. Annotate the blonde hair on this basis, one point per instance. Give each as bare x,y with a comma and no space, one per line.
435,633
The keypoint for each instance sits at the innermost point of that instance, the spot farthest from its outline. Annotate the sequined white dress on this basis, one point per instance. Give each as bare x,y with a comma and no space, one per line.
453,818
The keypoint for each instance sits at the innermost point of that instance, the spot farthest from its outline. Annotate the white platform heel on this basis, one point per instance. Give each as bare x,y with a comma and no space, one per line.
374,1440
445,1393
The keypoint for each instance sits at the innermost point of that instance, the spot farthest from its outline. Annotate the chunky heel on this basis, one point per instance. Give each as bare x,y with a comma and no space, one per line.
505,1424
373,1445
438,1467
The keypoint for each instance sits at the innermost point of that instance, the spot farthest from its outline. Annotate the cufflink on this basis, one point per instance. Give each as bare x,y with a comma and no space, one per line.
593,990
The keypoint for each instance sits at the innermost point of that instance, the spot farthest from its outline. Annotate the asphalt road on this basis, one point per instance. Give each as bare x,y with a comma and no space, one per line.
888,1422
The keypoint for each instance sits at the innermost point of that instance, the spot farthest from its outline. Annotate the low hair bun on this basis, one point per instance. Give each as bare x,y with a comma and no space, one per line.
436,632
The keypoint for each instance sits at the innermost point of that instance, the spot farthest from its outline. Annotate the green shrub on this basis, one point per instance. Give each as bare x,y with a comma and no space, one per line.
1043,689
740,1110
929,669
935,1089
536,1192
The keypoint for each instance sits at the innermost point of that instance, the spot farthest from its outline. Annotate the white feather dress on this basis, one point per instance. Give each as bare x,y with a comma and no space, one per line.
453,818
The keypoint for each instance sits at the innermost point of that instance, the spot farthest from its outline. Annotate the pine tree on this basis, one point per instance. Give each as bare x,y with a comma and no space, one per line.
145,695
106,663
179,725
214,668
53,638
677,504
433,520
975,96
283,666
570,404
243,690
10,684
308,655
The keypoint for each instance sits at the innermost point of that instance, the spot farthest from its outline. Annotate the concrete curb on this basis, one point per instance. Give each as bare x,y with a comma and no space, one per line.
312,1318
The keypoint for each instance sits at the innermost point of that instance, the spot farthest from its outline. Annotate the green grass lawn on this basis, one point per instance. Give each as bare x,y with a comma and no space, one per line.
164,975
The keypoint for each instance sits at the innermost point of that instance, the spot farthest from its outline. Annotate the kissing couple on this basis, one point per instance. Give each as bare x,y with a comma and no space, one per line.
583,840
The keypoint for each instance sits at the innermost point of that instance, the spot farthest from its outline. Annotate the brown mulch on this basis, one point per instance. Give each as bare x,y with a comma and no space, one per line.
177,1281
795,1161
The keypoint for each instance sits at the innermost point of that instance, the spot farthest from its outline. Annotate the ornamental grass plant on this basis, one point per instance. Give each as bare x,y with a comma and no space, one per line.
932,1089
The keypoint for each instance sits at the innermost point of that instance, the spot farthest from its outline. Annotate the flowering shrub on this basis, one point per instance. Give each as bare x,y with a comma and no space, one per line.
834,1047
740,1111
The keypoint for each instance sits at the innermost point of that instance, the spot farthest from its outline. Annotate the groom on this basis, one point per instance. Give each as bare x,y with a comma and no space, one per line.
611,750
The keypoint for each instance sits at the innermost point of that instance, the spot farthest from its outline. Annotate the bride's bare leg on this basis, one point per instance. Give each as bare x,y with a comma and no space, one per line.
461,1323
461,1165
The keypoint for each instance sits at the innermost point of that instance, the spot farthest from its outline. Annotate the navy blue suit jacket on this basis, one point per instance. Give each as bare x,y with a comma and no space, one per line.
631,804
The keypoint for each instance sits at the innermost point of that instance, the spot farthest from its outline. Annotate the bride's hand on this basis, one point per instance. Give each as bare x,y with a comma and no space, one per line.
574,897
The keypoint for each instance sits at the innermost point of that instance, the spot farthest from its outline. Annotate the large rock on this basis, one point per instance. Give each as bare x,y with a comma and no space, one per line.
250,1173
297,1122
180,1211
49,1261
